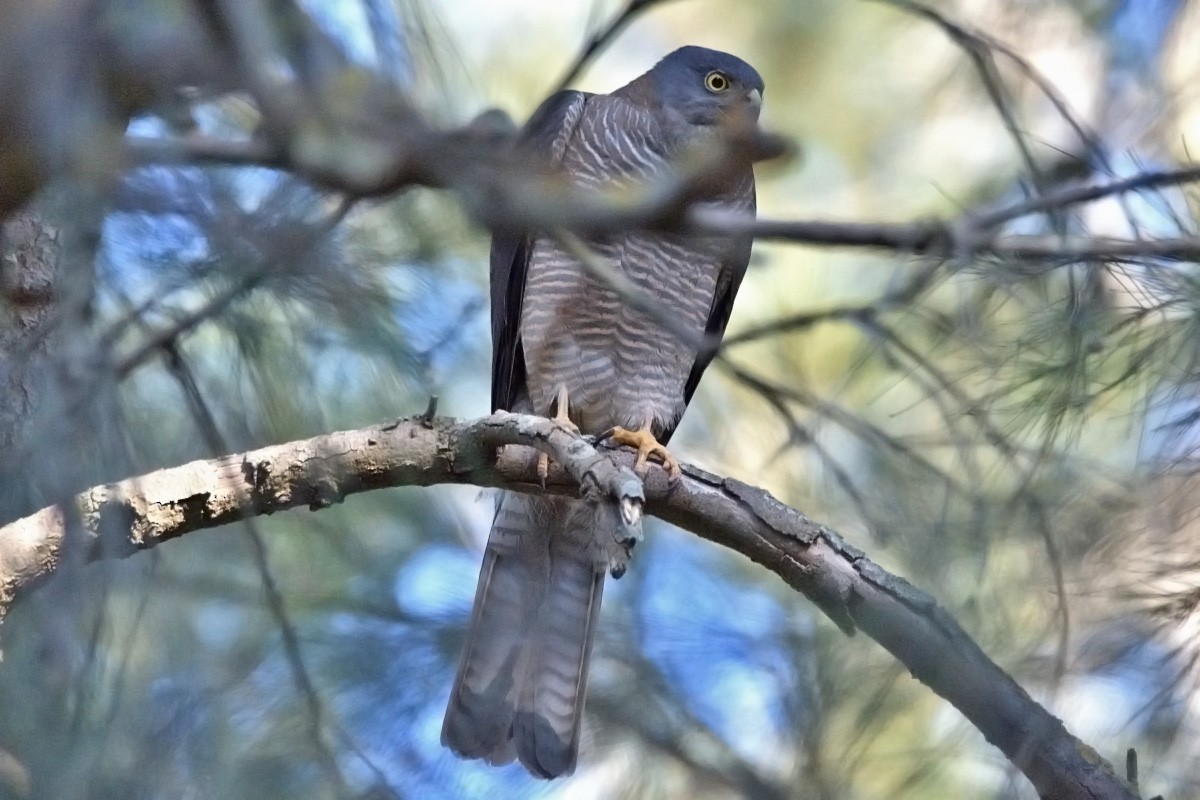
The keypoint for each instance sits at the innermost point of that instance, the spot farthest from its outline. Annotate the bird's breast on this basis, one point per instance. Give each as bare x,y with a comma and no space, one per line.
620,364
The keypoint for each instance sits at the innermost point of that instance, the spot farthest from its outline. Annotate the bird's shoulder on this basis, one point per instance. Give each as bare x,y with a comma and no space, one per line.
568,114
553,123
619,106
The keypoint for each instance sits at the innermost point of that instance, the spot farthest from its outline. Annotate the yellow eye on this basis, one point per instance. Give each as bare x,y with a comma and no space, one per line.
716,81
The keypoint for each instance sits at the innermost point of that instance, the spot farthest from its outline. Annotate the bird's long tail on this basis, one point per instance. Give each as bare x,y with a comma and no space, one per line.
521,682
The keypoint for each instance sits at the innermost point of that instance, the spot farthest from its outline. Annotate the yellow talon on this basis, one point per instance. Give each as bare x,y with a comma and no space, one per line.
647,445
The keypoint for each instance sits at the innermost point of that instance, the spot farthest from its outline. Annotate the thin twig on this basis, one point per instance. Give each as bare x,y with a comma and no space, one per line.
602,38
631,294
220,302
275,602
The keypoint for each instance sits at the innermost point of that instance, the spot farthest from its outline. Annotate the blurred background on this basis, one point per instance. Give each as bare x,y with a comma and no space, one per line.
1015,438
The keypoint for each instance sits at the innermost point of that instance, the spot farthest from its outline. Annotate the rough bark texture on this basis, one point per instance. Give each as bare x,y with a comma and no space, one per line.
856,593
28,275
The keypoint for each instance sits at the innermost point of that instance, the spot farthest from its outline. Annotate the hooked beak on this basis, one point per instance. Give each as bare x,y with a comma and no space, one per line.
754,98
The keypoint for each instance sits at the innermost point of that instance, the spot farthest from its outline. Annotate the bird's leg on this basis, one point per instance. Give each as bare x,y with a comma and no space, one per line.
562,417
647,445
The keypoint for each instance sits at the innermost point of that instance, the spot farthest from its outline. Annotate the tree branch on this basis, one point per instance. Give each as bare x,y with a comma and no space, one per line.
504,193
852,590
961,237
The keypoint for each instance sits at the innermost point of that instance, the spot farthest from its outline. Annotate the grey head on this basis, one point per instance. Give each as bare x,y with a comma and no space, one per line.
704,87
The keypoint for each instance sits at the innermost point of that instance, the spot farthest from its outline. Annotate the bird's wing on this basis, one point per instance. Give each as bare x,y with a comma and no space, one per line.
544,137
732,269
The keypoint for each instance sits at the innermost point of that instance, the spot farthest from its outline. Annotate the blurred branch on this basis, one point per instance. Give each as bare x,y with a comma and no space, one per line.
373,142
602,38
301,677
157,341
702,751
853,591
1073,194
960,238
978,49
501,193
507,194
246,26
197,148
629,291
500,188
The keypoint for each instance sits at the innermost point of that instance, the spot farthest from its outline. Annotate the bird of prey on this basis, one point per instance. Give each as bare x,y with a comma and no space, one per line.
566,343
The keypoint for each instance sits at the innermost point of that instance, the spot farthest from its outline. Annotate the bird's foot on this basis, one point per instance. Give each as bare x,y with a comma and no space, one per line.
561,417
647,446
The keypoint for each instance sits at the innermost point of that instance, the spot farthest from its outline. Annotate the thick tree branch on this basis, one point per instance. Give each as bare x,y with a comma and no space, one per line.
853,591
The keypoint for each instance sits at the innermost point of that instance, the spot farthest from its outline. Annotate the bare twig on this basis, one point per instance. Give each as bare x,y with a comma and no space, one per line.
979,49
158,341
1066,196
630,293
1023,255
275,602
601,39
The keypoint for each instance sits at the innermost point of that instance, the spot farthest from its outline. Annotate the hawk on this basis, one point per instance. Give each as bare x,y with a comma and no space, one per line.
565,343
